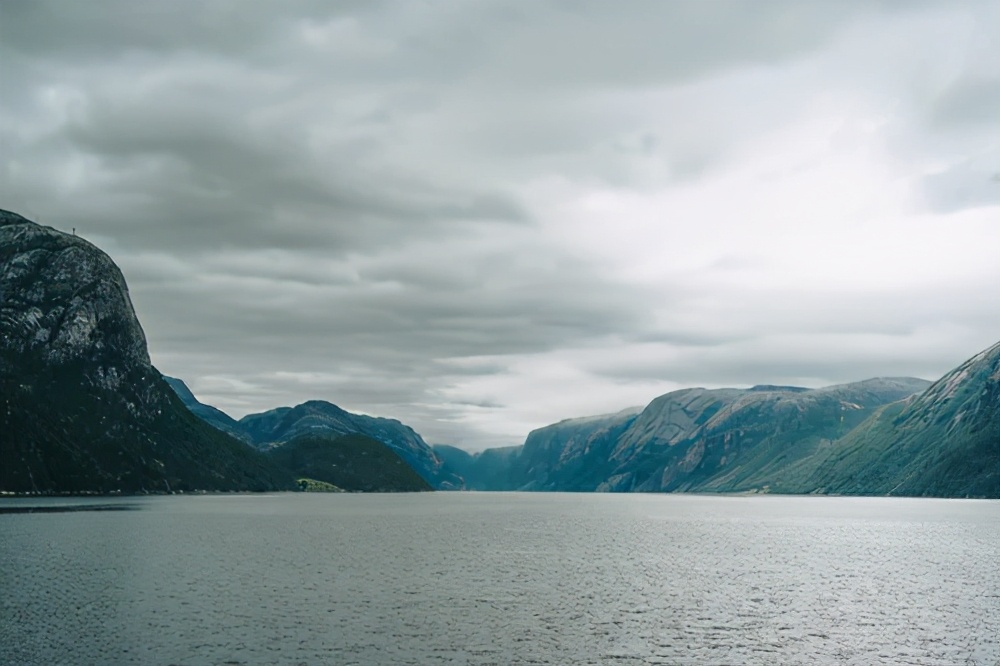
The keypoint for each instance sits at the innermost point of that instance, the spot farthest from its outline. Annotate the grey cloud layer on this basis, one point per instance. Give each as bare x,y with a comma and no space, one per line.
341,200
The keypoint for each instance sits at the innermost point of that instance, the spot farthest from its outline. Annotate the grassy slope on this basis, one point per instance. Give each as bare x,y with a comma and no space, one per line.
351,462
944,442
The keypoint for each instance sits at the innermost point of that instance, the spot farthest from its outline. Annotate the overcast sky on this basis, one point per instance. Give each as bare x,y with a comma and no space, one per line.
483,217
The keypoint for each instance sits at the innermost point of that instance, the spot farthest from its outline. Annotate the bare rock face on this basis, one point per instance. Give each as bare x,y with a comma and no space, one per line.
62,300
572,455
82,407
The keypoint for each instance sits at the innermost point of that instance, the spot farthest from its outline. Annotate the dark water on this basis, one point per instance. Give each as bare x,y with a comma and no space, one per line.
501,579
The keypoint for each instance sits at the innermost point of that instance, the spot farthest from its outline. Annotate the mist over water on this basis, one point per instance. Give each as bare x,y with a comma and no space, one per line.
482,578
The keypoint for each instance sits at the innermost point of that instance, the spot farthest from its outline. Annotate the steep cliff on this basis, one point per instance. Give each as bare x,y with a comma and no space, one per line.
83,409
572,455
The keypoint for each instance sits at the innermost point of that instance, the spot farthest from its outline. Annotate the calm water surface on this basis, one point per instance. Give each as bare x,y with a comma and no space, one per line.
481,578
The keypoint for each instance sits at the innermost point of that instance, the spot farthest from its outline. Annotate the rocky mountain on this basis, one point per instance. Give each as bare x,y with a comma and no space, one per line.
349,462
574,454
943,442
718,440
83,409
736,440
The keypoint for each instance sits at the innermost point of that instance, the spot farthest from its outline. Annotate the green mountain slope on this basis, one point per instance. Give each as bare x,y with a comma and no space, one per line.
284,424
751,443
944,442
350,462
698,439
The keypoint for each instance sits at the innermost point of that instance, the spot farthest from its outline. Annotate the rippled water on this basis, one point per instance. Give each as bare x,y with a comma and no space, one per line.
479,578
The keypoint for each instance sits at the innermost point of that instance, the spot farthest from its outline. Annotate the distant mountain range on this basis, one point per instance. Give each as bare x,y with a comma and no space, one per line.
274,428
888,436
84,411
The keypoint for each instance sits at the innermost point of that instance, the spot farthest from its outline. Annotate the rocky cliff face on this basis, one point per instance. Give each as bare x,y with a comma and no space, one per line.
664,436
572,455
63,301
83,409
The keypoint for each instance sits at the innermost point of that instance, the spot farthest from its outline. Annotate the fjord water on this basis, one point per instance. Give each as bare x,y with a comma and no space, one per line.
482,578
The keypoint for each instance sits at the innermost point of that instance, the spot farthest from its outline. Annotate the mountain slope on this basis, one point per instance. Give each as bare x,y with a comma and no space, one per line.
350,462
320,417
751,443
82,407
211,415
719,440
944,442
572,455
739,439
664,437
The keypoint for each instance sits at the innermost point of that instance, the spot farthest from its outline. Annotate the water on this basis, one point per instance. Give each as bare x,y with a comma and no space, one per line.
481,578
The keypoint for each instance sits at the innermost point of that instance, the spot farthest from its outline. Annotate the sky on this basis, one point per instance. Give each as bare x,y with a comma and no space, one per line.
483,217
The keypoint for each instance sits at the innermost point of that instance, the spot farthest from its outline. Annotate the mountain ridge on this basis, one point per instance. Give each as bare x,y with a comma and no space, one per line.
775,439
275,427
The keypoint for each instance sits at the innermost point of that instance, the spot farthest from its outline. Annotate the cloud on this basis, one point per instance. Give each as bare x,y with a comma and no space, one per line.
483,217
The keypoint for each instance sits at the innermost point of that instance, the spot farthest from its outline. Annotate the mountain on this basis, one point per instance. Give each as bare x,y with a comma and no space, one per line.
664,435
212,415
274,427
83,409
737,440
944,442
486,470
572,455
349,462
294,439
699,440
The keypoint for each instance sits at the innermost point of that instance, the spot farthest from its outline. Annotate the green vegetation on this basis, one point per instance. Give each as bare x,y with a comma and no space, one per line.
314,486
944,442
350,462
61,437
